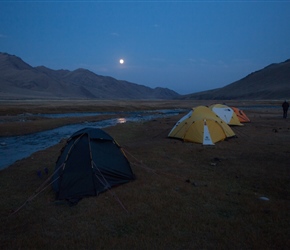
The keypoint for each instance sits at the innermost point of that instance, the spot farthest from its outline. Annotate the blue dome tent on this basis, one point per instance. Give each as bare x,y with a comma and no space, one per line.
90,163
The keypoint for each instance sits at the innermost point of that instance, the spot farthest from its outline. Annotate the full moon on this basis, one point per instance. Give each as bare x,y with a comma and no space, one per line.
121,61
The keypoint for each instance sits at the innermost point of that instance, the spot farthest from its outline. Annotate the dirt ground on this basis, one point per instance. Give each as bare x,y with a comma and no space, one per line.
235,194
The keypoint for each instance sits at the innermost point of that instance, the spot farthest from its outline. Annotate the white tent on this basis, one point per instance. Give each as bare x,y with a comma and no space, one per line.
226,113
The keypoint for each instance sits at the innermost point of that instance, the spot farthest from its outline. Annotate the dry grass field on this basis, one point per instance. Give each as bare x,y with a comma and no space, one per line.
234,195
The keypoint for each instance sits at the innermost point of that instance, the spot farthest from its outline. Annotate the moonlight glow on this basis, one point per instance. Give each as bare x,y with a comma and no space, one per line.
121,61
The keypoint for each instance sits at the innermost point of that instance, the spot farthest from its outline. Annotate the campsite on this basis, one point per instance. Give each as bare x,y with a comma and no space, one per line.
185,195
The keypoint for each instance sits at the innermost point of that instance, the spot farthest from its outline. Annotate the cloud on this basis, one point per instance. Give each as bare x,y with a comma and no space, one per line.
206,62
114,34
199,61
157,59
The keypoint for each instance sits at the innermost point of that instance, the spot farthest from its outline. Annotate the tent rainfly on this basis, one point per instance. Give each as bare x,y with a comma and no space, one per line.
90,163
201,125
226,113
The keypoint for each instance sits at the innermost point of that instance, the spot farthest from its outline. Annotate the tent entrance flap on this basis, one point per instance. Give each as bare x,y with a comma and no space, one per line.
206,135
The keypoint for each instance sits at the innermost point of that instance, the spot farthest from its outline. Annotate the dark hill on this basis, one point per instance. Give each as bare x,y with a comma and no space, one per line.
20,80
271,82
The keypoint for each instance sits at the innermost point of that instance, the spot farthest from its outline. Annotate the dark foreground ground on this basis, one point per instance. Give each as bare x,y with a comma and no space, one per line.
234,195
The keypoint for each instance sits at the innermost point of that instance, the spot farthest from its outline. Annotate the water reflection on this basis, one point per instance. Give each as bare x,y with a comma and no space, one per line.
18,147
121,120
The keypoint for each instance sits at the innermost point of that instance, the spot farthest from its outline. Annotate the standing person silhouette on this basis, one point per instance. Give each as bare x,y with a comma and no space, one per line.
285,106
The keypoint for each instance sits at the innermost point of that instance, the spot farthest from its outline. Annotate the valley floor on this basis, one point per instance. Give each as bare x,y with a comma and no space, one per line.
234,195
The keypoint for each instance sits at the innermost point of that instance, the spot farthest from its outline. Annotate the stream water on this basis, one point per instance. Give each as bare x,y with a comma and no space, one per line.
18,147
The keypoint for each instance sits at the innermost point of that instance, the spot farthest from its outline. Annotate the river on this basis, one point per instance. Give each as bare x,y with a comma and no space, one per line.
15,148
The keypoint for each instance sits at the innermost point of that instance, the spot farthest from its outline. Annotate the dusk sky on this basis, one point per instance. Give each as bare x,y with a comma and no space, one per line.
186,46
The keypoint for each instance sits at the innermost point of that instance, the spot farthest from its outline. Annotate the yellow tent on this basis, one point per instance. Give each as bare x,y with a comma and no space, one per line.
226,113
201,125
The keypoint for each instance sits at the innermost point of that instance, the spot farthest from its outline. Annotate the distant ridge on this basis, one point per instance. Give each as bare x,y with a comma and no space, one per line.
271,82
20,80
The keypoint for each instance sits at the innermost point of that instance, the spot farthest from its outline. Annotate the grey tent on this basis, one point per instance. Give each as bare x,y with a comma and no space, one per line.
90,163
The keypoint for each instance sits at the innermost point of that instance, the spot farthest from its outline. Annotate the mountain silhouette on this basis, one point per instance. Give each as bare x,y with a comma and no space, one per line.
271,82
20,80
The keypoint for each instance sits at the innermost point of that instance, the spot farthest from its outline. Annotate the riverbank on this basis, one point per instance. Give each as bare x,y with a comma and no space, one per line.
17,147
186,196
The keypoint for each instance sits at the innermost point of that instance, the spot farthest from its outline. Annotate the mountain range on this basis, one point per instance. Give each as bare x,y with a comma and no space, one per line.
271,82
19,80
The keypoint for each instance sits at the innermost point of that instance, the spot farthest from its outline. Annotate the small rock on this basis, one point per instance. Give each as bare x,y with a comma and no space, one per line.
216,159
199,184
263,198
46,170
39,173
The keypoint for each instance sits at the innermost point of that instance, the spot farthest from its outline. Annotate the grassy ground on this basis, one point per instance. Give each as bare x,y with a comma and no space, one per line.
186,196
